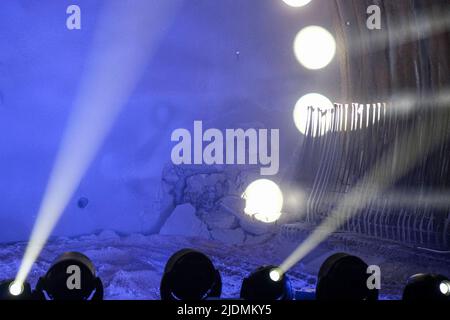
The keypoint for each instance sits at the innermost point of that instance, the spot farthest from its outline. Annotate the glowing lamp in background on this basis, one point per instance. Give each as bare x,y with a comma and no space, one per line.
264,200
314,47
296,3
312,114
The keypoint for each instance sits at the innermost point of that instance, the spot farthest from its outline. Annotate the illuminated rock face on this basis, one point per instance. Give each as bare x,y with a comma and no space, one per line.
214,64
183,221
205,202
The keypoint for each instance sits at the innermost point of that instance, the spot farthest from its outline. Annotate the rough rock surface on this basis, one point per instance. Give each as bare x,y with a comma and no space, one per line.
206,202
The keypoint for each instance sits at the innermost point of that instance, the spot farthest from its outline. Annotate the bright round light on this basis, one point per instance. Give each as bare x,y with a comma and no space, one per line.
275,275
445,288
314,47
312,114
15,289
296,3
264,201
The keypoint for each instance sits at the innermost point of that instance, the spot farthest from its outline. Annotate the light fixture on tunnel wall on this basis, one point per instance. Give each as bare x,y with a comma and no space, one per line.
314,47
263,201
344,277
297,3
427,287
71,276
267,283
11,290
312,114
190,275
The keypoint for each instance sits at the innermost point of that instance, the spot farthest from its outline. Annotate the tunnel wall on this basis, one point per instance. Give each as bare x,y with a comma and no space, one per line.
375,67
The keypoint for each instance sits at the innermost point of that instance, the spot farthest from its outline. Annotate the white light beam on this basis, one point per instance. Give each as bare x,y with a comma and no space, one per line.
128,33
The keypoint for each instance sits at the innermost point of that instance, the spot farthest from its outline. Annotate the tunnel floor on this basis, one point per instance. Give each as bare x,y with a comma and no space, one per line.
131,266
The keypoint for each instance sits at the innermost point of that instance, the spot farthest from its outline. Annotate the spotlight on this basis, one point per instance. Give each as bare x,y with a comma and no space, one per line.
427,287
12,290
276,275
444,287
190,275
267,283
16,289
70,277
344,277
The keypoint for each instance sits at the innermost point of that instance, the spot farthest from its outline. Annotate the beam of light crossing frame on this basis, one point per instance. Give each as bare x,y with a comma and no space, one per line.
425,26
127,35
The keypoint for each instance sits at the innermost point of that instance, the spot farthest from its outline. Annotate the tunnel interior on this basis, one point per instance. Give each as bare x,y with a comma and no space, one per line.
372,170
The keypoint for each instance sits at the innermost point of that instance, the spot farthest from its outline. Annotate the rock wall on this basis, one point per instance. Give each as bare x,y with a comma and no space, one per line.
206,202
